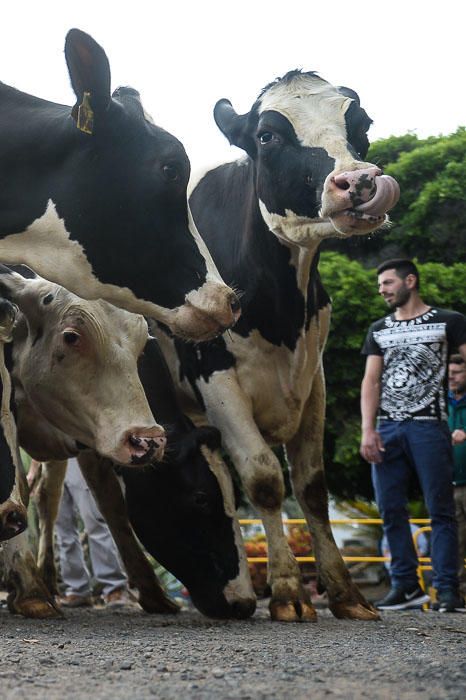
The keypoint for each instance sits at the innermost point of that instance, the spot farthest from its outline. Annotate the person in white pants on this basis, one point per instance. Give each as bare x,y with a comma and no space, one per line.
106,564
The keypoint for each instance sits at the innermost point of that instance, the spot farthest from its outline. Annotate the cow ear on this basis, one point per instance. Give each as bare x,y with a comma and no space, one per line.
348,92
18,284
89,71
234,126
12,282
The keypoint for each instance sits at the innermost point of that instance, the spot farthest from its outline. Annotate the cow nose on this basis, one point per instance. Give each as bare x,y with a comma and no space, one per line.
146,444
364,191
358,184
13,524
242,609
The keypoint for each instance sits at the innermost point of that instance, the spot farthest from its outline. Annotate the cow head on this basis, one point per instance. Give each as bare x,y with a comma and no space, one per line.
134,175
77,364
184,514
308,141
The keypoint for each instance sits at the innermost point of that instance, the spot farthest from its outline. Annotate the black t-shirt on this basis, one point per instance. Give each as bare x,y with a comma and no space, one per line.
415,355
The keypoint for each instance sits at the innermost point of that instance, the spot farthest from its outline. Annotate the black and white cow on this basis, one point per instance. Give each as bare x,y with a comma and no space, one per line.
94,198
303,179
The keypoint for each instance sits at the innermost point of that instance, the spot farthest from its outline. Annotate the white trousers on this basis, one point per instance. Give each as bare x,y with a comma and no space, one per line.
106,564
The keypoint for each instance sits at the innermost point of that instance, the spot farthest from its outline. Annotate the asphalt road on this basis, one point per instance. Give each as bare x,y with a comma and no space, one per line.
103,654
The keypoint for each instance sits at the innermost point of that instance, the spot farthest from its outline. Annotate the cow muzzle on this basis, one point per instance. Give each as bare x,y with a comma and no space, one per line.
357,201
208,312
141,446
13,520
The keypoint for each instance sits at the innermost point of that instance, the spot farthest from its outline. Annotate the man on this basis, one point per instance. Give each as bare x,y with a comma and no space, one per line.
457,424
405,385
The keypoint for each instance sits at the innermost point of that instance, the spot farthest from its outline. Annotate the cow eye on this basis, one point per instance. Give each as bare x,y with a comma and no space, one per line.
170,172
266,137
70,337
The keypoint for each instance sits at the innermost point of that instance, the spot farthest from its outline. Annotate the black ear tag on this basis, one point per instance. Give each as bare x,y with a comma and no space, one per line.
85,121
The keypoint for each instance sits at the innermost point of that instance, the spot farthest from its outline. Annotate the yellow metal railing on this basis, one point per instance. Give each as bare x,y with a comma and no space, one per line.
346,521
425,563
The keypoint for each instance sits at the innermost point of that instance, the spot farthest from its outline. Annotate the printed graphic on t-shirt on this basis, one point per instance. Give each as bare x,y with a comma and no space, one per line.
415,354
414,370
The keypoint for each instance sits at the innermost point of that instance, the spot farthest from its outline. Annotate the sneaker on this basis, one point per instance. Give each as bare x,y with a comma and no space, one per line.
398,599
117,598
450,601
73,600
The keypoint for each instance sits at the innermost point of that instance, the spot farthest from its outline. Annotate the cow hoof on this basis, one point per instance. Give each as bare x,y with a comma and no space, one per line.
297,611
355,611
158,605
37,609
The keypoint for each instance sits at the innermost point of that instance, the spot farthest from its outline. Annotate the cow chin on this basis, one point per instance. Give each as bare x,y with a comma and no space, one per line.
350,223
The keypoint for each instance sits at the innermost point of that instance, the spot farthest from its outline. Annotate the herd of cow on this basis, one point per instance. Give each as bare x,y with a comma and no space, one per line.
111,320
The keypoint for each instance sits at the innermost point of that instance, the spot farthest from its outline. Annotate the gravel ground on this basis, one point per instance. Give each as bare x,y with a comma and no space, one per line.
101,653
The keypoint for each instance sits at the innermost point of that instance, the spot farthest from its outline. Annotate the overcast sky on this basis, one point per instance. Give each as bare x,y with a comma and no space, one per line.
406,59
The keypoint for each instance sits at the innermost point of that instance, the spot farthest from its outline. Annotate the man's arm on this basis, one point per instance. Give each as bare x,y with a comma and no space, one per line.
371,442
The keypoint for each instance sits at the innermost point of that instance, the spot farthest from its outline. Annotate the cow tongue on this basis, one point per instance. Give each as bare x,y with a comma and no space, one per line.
386,196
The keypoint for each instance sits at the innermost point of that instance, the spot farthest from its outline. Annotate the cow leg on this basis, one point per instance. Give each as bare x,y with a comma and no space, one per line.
47,496
262,478
27,593
307,473
104,484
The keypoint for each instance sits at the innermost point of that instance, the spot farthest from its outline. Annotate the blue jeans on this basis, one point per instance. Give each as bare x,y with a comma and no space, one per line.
424,446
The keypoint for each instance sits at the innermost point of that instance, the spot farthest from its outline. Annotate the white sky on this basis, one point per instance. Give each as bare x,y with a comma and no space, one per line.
406,59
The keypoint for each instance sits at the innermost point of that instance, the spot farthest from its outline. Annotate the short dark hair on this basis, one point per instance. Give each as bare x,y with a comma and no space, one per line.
402,266
456,359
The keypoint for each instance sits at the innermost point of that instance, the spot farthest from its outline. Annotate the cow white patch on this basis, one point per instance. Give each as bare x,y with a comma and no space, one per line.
299,230
310,95
240,587
46,247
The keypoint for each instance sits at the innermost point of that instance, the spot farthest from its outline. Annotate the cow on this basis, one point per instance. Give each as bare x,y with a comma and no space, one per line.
93,198
73,366
182,508
303,179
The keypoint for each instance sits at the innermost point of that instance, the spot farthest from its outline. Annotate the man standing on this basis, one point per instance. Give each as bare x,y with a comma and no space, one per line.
106,564
405,385
457,423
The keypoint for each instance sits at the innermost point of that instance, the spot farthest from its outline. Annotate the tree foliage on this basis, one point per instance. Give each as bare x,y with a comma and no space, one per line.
356,304
429,222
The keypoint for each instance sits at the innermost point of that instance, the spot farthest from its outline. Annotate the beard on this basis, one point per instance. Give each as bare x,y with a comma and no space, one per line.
401,298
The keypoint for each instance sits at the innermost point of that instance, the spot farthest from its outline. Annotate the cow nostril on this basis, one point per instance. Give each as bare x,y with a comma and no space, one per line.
342,183
134,441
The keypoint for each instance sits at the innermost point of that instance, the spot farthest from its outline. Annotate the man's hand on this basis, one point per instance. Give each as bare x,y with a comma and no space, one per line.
458,436
371,445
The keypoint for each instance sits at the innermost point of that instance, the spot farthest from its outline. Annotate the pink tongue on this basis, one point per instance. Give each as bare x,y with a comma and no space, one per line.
386,196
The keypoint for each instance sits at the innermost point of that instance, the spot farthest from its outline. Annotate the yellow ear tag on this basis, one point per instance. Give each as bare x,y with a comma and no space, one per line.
85,115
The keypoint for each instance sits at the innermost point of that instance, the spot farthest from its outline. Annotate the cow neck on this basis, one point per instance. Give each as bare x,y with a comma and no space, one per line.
37,136
281,284
278,297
